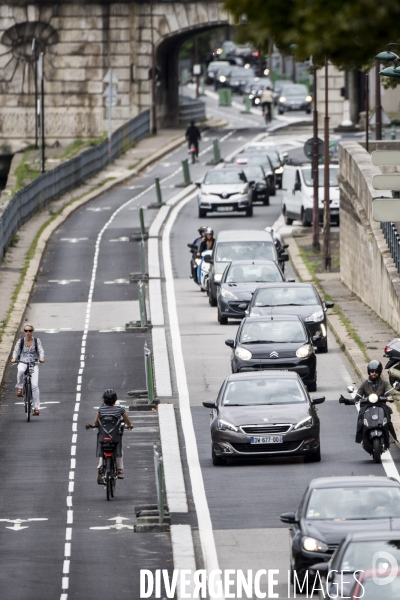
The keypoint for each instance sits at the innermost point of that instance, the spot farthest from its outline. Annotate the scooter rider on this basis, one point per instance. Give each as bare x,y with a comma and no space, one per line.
196,243
373,385
208,242
202,235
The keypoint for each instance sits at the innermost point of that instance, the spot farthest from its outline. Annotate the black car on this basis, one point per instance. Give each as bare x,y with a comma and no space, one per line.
279,342
300,299
263,414
378,550
254,158
238,78
294,96
260,181
332,508
238,282
274,158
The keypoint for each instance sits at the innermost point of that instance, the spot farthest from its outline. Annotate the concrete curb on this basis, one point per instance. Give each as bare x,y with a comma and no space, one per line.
346,343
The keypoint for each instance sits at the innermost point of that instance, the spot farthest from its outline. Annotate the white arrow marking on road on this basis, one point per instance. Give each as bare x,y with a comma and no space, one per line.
118,524
17,523
120,239
61,282
73,240
99,208
17,527
117,281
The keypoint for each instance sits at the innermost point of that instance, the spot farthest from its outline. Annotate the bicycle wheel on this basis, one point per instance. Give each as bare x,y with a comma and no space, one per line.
109,479
28,400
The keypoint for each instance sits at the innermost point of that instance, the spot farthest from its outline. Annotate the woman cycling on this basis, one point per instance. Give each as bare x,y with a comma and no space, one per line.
29,350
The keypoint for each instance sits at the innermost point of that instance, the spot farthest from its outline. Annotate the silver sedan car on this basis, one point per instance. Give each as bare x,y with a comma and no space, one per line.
224,191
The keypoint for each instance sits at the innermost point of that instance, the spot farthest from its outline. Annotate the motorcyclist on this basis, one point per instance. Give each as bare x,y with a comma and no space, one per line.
202,235
266,100
193,136
373,385
196,243
208,242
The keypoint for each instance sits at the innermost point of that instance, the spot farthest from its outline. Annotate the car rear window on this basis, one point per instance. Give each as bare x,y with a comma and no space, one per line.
253,274
273,331
253,392
360,556
348,504
381,588
228,251
287,296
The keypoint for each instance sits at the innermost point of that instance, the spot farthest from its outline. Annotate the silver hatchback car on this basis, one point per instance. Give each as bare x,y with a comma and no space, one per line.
224,191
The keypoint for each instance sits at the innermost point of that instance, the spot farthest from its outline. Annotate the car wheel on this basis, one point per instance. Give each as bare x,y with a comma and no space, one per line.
312,387
304,221
217,461
249,211
211,300
323,349
314,457
266,201
288,220
222,320
308,111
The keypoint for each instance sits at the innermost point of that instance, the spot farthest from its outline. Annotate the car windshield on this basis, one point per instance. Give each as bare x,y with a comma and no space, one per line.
254,172
342,504
294,90
253,159
333,173
224,70
272,155
228,251
253,273
253,392
286,296
222,177
273,331
373,590
361,555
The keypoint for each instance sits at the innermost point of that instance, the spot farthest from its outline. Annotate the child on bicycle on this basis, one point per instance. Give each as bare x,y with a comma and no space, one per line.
109,409
29,350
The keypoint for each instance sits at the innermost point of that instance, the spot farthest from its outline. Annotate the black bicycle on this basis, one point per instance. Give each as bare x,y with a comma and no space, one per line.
27,388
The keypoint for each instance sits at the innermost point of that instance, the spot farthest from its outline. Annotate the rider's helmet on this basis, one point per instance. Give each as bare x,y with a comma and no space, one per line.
209,231
202,229
375,365
110,396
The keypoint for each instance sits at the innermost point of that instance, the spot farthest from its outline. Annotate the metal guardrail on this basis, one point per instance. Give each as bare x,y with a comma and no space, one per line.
52,184
159,472
191,110
392,238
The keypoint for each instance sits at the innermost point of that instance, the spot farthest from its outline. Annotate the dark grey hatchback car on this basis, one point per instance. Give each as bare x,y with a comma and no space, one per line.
264,414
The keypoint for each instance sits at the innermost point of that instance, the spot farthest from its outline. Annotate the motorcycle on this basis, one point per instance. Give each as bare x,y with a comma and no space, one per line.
194,261
376,417
392,352
204,271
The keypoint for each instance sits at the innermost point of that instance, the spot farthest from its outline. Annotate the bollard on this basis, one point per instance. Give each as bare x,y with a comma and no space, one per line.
202,87
247,104
216,152
228,97
393,132
142,258
158,190
159,471
148,367
186,172
142,227
142,306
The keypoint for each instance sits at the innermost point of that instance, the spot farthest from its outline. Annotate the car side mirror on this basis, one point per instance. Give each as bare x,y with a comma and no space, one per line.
317,399
284,257
297,187
192,246
198,183
289,517
210,404
322,567
208,259
230,343
329,304
290,280
217,283
285,246
350,389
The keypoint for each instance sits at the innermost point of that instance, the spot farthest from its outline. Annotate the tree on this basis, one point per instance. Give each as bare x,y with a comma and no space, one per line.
348,32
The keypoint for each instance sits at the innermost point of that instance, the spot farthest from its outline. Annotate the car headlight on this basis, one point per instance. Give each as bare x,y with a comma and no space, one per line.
303,351
308,98
312,545
257,101
251,96
243,192
224,425
218,276
243,354
236,82
304,423
315,317
279,170
227,294
282,99
222,78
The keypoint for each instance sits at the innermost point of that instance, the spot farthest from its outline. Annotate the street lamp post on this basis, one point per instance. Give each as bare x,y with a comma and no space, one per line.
367,111
378,109
153,74
34,54
41,75
316,244
327,215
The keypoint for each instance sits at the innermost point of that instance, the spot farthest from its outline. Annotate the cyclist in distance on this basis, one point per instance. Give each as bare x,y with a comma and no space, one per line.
29,350
193,136
109,409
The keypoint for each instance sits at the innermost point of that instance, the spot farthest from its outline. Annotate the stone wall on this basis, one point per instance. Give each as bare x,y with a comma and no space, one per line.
366,265
81,42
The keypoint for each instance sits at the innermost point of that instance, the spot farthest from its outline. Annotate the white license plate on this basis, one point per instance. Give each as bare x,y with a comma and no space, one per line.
224,208
267,439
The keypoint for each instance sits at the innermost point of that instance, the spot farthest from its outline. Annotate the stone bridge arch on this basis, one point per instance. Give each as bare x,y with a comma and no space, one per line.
81,42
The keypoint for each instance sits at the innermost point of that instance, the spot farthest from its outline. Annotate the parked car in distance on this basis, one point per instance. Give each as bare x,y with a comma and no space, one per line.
298,194
242,244
238,282
260,181
263,414
224,190
278,342
332,508
255,158
294,97
300,299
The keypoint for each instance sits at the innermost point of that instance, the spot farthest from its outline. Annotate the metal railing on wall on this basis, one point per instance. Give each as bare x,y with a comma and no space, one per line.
191,110
52,184
392,238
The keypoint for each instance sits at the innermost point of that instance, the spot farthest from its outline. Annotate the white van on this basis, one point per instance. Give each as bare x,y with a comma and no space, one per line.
298,193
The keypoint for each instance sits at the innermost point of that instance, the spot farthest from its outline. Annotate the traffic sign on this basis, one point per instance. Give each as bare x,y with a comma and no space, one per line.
309,148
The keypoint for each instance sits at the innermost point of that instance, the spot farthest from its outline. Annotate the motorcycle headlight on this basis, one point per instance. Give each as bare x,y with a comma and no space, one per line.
257,101
279,170
315,317
227,294
304,351
312,545
218,276
373,398
224,425
243,353
305,423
